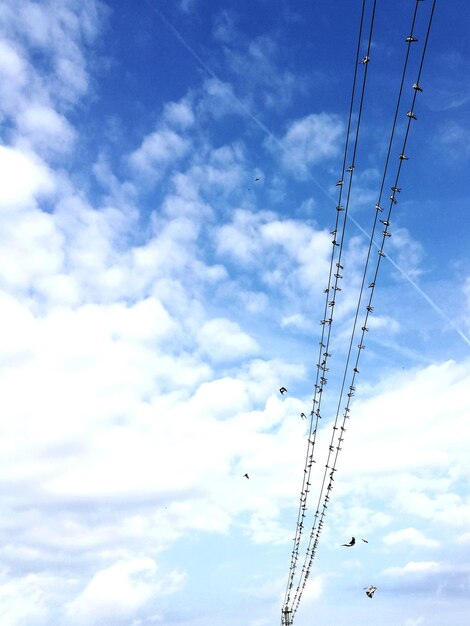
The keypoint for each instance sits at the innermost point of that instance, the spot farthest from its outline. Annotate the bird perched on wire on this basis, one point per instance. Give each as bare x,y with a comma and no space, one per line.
370,590
282,391
350,544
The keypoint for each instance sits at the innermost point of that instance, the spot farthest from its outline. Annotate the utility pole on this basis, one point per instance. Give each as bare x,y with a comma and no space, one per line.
286,617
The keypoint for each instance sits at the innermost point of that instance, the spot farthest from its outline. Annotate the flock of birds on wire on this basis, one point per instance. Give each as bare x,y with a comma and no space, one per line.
371,589
293,596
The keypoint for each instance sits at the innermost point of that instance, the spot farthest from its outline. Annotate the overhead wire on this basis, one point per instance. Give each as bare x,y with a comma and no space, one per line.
321,367
327,321
319,382
330,467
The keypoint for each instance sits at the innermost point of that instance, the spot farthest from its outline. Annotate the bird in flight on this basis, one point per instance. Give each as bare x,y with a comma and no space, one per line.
303,416
246,475
350,544
257,179
370,590
282,390
365,541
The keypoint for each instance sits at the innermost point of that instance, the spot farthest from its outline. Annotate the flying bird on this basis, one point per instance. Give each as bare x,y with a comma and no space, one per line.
282,390
350,544
365,540
257,179
370,590
246,475
303,416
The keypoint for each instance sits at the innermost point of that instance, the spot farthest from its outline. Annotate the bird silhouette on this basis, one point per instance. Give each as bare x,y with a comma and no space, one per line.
417,87
370,590
303,416
246,475
350,544
364,60
282,390
365,540
411,39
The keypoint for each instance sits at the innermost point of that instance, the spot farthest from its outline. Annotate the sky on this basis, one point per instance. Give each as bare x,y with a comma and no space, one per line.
168,176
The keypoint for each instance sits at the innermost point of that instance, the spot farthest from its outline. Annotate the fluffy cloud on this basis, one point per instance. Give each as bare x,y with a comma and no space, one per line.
309,140
157,151
223,340
120,592
24,178
414,567
410,536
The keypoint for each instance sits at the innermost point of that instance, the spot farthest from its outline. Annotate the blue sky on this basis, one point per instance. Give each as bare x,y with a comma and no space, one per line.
168,175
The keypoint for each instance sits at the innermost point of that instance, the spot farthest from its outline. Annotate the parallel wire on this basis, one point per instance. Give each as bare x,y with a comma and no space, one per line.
319,382
330,467
326,322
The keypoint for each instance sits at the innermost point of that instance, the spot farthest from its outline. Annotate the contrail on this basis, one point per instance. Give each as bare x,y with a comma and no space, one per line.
212,74
266,130
417,287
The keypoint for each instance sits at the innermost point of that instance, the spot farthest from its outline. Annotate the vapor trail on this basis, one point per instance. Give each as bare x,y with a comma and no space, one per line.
213,75
418,288
266,130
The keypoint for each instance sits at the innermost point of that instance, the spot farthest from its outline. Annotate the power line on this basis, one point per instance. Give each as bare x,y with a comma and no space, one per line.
337,437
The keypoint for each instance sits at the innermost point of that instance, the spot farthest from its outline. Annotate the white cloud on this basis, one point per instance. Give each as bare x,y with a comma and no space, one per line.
157,151
179,114
414,568
219,99
379,322
297,320
309,140
313,590
407,252
223,340
25,599
23,178
295,255
45,129
410,536
121,591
